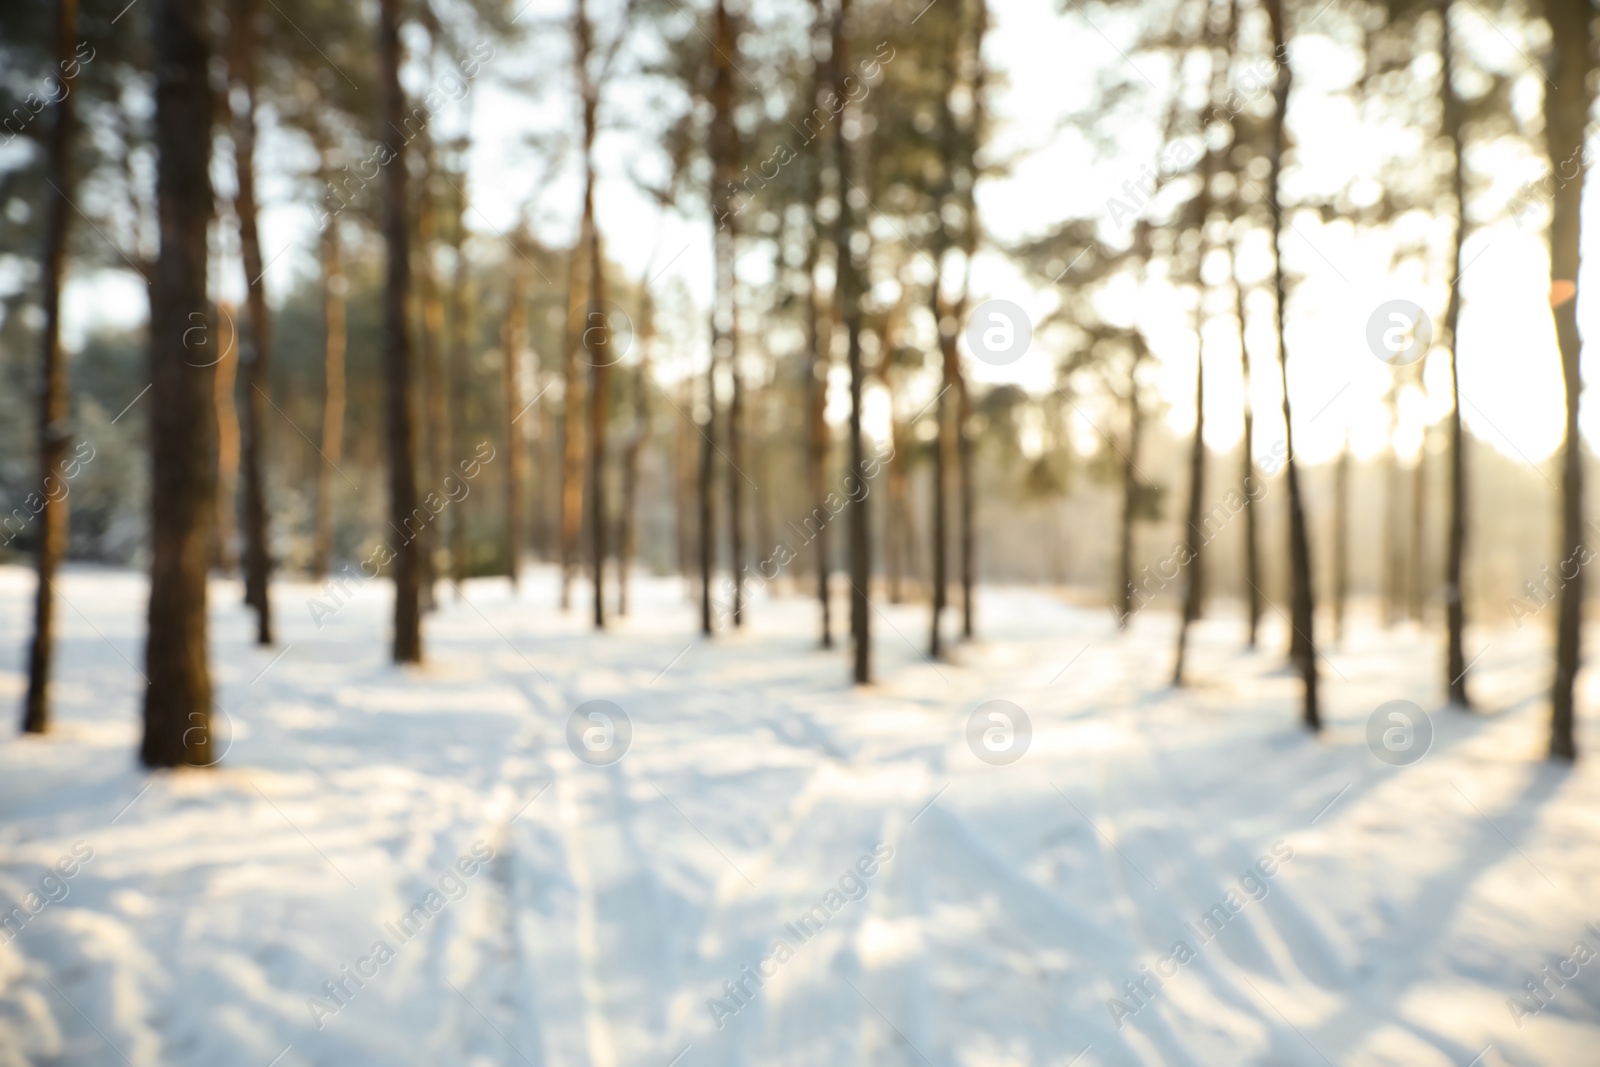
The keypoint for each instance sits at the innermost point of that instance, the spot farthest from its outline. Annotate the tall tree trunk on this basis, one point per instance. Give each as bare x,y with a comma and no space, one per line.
1393,564
516,342
943,446
1130,495
1197,479
819,344
848,289
397,349
1301,602
964,449
227,413
725,152
257,350
459,381
55,396
598,345
333,314
1567,105
1455,604
1194,578
1248,473
572,436
177,702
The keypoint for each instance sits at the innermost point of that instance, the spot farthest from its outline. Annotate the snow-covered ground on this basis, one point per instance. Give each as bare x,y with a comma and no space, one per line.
429,839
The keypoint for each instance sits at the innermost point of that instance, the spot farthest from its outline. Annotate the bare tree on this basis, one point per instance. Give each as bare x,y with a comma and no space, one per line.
55,395
256,351
1454,601
1302,645
177,701
1567,103
333,397
848,290
397,347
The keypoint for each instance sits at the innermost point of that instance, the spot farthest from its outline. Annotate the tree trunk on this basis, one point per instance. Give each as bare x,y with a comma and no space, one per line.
226,550
598,345
1455,604
1248,474
572,417
1194,578
55,395
1130,497
964,449
459,381
1301,602
725,330
819,343
333,313
1197,479
516,341
257,349
396,348
943,445
177,703
848,290
1567,106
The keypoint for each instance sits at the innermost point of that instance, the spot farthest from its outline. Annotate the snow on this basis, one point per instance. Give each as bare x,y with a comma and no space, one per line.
1393,912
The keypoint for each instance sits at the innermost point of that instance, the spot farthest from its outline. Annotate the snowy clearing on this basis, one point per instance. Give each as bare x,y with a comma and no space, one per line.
1299,901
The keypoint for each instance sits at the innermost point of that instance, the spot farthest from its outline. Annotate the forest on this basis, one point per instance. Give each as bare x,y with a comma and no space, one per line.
751,421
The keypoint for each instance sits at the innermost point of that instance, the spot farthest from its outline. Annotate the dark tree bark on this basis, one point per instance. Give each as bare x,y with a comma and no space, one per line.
819,343
1248,474
1130,491
1301,602
1197,480
459,302
177,703
1454,601
848,288
333,399
964,449
256,352
397,349
572,433
1566,106
55,395
724,145
597,344
943,446
224,403
516,340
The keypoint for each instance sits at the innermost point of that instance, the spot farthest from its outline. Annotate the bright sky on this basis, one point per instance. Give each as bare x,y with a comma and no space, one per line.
1509,370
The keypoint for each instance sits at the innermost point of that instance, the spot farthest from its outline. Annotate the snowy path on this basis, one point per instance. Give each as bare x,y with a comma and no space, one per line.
933,909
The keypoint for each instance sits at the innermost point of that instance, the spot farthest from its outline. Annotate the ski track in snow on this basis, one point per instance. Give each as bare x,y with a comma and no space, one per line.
1017,904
